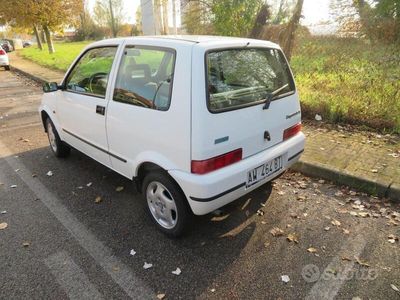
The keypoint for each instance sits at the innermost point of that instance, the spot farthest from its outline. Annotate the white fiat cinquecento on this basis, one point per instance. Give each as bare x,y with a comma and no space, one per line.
195,121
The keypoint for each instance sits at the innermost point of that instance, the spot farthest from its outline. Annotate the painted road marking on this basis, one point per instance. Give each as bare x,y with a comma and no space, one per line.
328,288
71,278
131,284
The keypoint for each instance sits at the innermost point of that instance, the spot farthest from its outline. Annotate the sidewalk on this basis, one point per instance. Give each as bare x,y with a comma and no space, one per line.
33,70
362,160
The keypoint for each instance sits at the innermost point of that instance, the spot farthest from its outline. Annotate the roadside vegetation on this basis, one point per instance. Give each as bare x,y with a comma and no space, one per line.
348,80
345,80
60,60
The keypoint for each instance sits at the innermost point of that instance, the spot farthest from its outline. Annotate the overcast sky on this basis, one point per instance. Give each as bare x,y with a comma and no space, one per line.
314,11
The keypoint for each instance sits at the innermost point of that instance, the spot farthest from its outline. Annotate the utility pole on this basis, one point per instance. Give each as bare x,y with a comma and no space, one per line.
174,16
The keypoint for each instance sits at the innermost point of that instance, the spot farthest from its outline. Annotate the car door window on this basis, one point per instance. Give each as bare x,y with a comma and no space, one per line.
145,77
90,74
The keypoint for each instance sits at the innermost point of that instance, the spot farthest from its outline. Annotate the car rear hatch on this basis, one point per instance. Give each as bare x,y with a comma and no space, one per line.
251,104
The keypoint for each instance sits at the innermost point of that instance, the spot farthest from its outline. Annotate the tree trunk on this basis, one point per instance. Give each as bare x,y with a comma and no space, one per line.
165,16
157,16
113,27
174,16
287,40
261,19
48,39
39,42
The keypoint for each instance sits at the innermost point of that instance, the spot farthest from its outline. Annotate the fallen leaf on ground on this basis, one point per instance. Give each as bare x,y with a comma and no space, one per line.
3,225
3,212
292,238
301,198
276,231
160,296
361,263
354,213
263,222
346,258
346,231
327,228
339,194
133,252
26,244
363,214
281,193
335,222
392,238
318,117
285,278
321,181
374,171
246,203
119,188
49,173
98,199
219,218
177,272
13,186
34,175
260,212
395,288
212,290
147,266
312,250
89,184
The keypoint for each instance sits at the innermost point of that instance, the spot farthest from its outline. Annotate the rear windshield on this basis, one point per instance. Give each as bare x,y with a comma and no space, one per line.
239,78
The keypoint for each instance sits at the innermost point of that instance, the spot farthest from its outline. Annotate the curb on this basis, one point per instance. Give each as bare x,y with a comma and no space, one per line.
363,184
29,75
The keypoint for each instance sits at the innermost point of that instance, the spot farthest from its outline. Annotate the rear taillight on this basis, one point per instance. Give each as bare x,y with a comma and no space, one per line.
2,52
291,131
215,163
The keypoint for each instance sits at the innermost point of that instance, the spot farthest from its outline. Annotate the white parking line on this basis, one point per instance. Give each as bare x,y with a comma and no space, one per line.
327,288
119,272
71,278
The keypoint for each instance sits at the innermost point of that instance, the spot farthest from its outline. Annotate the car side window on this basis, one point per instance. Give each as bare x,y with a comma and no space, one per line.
90,74
145,77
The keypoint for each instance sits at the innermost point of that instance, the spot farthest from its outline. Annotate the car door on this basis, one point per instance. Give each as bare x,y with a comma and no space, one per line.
82,106
143,123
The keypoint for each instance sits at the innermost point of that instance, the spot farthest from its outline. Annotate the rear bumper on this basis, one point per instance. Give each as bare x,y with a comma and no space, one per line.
4,61
208,192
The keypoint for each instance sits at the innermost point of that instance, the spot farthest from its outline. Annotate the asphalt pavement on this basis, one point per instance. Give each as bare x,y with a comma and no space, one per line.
295,238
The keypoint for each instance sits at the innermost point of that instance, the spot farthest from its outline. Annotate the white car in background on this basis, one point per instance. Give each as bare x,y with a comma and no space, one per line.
195,121
4,62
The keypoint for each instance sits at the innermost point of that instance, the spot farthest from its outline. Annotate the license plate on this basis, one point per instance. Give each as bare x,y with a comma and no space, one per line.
263,171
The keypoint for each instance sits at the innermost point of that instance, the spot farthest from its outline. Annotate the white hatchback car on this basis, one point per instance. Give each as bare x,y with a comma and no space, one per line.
195,121
4,62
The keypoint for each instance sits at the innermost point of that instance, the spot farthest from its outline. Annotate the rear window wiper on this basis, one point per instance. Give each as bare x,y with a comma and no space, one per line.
272,95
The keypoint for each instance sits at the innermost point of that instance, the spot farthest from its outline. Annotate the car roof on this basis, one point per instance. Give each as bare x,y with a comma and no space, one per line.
203,40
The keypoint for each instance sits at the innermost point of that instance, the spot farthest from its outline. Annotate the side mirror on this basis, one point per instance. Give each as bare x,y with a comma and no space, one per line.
49,87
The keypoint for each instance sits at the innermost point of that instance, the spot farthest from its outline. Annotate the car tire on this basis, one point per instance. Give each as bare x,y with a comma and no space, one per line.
166,204
59,148
7,68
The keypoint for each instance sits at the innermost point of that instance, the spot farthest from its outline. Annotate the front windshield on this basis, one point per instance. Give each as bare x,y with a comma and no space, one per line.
247,76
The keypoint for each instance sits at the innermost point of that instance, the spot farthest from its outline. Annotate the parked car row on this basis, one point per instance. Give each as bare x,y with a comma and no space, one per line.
6,45
4,62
